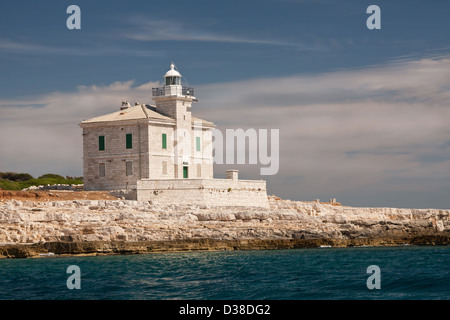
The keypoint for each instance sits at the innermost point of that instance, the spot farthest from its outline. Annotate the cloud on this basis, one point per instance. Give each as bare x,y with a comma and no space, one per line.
381,129
47,138
376,136
146,29
18,47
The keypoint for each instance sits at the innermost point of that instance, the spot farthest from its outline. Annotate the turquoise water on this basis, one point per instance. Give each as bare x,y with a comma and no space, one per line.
322,273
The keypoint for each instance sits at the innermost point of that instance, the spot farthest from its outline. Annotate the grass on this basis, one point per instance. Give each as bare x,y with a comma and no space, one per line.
50,179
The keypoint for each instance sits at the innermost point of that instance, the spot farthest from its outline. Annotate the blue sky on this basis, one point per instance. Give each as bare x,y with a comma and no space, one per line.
362,113
225,41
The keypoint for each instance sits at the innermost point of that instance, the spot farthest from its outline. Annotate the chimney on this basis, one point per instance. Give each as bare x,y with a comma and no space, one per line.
125,105
232,174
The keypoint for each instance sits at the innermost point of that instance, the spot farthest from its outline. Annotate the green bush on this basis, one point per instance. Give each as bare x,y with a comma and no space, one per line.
18,181
15,176
51,176
74,178
24,177
9,185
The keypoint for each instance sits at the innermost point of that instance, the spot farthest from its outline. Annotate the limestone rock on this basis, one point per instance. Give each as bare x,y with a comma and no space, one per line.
131,221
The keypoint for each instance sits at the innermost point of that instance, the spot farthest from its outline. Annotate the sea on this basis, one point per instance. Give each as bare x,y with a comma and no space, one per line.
400,273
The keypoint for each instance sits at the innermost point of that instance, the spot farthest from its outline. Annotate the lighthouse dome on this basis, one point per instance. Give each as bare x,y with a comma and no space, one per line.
172,72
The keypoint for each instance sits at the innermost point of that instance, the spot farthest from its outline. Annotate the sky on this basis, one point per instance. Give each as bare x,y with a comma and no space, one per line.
363,114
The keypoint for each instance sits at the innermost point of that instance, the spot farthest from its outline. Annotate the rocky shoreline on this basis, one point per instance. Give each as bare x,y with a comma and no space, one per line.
98,248
100,227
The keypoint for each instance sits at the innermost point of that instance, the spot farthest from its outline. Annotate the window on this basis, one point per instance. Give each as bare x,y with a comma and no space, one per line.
101,170
129,168
101,143
164,141
197,143
173,81
129,141
164,168
199,170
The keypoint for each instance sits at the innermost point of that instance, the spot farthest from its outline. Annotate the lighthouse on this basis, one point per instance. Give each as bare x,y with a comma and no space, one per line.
161,153
175,101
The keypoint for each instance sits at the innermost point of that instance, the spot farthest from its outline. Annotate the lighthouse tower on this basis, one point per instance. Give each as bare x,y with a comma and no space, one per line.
175,101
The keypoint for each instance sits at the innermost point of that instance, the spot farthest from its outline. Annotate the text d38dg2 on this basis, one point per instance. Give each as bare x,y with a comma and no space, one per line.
246,309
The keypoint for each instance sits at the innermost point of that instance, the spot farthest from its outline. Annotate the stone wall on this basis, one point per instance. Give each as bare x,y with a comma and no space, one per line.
115,156
209,192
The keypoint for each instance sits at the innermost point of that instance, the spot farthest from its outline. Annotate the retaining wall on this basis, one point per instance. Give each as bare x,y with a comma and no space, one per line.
209,192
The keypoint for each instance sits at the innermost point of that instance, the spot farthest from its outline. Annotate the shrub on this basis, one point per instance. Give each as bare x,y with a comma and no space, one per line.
9,185
23,177
18,181
12,176
74,178
51,176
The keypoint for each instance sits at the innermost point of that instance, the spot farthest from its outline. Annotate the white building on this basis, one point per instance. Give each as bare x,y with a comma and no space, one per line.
160,152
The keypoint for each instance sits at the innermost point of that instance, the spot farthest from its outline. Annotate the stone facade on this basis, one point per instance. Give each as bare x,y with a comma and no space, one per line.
115,155
149,160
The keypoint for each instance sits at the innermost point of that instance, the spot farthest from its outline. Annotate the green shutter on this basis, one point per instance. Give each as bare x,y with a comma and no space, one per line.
164,141
197,143
101,143
129,141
